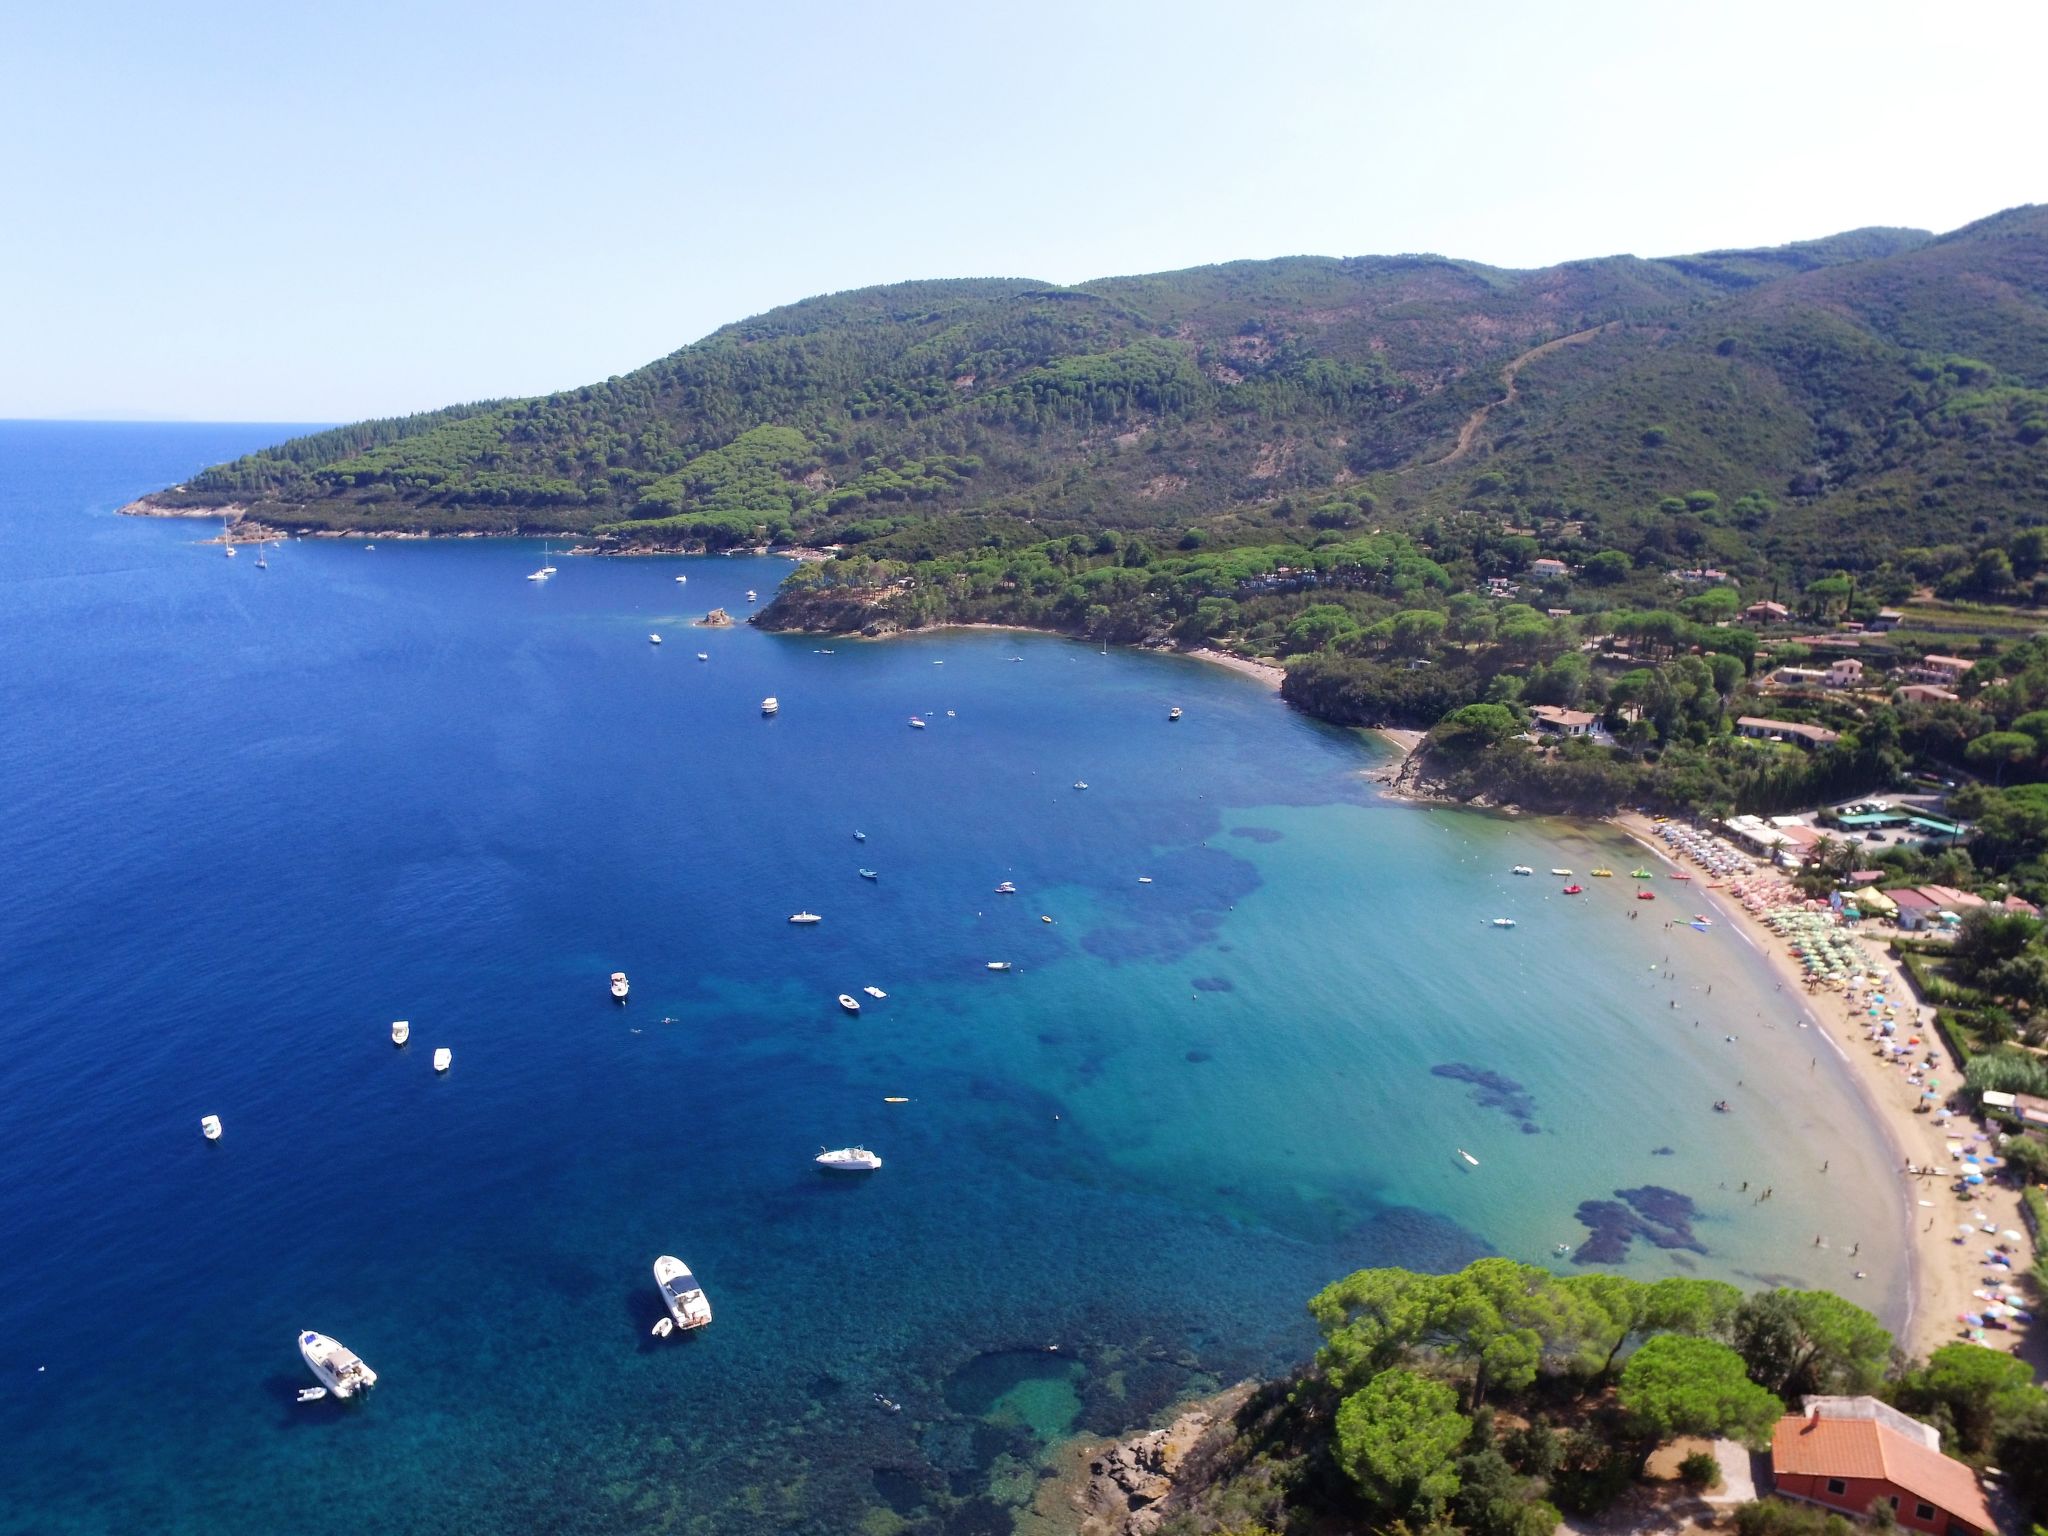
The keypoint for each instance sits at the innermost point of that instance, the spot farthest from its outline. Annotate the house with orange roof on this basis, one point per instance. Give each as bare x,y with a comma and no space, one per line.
1852,1454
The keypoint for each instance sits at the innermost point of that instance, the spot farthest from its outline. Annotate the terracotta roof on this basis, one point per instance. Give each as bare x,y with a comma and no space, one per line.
1863,1448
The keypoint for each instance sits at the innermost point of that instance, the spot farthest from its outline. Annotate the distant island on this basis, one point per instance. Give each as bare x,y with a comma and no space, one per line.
1580,524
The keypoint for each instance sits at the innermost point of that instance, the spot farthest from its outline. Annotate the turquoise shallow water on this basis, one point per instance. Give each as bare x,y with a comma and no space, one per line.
259,814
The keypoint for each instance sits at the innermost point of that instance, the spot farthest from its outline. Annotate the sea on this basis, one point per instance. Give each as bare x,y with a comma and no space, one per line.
1259,1031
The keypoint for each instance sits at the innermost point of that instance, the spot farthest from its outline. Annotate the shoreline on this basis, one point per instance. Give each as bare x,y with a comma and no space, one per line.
1940,1276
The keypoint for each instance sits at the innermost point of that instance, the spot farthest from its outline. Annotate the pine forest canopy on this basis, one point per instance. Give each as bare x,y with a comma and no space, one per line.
1779,413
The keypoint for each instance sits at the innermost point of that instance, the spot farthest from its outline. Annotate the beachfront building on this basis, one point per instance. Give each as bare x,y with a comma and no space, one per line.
1853,1454
1808,736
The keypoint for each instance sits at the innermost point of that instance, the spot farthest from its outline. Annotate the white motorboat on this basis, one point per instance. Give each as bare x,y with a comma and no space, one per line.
1080,783
1503,922
849,1160
619,985
770,705
859,836
805,917
999,965
682,578
916,724
443,1058
681,1294
1468,1157
1144,879
339,1369
1007,888
401,1031
703,655
209,1127
869,874
1173,713
1523,869
875,992
849,1003
750,594
654,639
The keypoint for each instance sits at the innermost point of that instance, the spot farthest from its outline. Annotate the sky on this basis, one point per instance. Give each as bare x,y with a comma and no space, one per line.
275,212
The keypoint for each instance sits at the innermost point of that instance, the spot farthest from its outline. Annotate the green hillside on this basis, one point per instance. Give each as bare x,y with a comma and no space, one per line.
1871,373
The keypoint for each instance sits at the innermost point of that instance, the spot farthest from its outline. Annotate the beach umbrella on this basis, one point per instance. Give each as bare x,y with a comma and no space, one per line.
1973,1178
2014,1236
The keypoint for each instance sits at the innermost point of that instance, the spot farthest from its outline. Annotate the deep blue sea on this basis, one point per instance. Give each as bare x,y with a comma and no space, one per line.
253,816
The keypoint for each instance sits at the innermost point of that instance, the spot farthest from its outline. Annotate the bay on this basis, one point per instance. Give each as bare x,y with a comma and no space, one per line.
258,814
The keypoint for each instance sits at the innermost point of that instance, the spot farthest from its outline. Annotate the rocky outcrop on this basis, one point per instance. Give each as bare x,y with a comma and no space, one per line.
1130,1483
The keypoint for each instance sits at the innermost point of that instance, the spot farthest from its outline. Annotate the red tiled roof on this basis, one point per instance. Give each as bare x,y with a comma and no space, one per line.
1864,1448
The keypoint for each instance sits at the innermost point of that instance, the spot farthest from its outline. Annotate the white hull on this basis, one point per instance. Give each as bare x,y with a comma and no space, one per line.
848,1003
401,1031
688,1306
337,1367
443,1059
209,1127
848,1160
802,919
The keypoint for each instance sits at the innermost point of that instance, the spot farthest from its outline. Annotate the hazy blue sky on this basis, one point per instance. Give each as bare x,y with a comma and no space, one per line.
271,211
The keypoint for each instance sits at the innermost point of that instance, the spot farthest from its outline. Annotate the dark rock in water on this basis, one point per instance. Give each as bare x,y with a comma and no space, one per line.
1662,1152
902,1489
1258,834
1650,1212
1493,1090
1199,1056
1214,984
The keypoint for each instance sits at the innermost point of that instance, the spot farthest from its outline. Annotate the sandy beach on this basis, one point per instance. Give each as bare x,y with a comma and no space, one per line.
1947,1277
1264,671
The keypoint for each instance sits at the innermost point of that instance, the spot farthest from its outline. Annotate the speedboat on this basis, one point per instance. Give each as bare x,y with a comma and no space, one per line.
999,965
1503,922
849,1003
1173,713
401,1031
681,1293
916,724
654,639
1007,888
1080,783
1523,869
209,1127
339,1369
875,992
703,655
619,986
770,705
443,1058
1144,879
750,594
849,1160
869,874
682,578
805,917
859,836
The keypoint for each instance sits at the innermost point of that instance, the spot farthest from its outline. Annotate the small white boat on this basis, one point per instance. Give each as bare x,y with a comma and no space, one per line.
681,1294
875,992
339,1369
770,705
1173,713
869,874
916,724
849,1003
999,965
859,836
1503,922
620,987
848,1160
667,1325
401,1031
311,1394
682,578
805,917
209,1127
1523,869
703,655
654,639
1007,888
1144,879
750,594
443,1058
1468,1157
1080,783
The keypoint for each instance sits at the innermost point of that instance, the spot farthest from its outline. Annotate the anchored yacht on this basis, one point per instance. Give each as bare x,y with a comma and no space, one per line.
339,1368
770,705
849,1160
401,1031
681,1293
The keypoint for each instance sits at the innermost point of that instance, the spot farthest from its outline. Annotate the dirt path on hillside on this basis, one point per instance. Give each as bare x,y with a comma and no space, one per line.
1468,434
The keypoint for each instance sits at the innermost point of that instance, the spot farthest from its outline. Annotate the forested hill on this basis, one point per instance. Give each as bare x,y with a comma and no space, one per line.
1831,398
